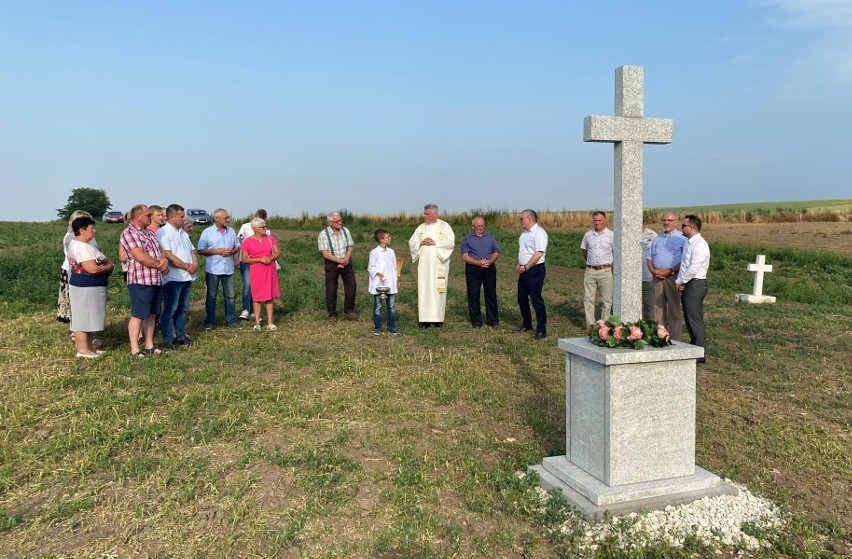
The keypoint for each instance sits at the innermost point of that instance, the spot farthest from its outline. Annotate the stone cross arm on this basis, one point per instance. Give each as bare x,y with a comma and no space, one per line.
627,129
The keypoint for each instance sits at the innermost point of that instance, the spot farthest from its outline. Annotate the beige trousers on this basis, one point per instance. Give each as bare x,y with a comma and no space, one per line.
597,282
667,302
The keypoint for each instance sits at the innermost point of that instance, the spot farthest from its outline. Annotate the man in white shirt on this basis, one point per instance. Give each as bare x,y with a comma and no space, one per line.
598,244
177,283
532,246
692,280
648,236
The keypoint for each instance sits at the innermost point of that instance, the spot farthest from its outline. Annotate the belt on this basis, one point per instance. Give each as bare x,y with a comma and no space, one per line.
604,267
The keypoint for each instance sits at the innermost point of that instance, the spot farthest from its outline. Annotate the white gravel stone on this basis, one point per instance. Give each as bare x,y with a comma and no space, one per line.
714,520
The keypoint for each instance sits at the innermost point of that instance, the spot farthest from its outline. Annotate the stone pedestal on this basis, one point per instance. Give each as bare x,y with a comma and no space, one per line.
755,299
630,430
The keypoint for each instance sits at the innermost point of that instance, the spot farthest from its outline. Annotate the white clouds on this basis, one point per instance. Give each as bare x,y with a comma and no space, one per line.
824,61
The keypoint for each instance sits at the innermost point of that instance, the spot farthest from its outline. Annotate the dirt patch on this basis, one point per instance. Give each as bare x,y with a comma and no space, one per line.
829,236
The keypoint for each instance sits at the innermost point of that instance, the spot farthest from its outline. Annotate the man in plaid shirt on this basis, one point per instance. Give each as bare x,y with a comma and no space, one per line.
145,267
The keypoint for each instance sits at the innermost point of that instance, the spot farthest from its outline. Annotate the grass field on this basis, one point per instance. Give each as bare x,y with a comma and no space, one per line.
322,440
841,205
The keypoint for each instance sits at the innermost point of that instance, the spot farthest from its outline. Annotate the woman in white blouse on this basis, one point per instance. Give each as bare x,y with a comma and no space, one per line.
88,278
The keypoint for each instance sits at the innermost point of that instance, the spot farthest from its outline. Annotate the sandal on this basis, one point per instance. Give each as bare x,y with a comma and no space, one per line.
153,351
138,355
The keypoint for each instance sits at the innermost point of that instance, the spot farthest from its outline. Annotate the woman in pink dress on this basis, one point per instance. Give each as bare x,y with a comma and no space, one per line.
260,252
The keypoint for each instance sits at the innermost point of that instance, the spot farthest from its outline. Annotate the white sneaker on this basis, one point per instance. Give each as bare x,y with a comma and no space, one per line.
244,315
271,327
257,328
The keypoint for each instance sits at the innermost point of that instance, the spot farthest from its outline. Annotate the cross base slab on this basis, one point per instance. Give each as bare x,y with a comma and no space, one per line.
592,498
756,299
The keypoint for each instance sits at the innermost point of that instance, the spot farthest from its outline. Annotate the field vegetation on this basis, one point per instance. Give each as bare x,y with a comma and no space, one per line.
322,440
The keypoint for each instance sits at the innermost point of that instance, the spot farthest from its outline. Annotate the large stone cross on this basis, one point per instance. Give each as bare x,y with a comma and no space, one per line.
629,131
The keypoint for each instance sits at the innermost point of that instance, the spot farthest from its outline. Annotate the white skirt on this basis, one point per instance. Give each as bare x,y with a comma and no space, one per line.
88,308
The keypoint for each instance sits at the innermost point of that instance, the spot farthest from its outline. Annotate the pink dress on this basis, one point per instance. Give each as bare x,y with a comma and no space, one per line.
263,278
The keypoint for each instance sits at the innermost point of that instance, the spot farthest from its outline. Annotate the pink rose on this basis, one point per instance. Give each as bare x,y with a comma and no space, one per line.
603,332
662,333
619,332
599,324
635,334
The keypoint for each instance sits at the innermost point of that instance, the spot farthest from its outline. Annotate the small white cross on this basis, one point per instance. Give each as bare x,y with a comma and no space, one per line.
759,267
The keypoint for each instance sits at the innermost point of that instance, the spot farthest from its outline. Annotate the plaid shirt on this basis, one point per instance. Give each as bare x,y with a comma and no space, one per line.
133,237
339,242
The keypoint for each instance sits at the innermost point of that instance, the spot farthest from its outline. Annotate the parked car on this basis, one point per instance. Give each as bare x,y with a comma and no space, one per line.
114,217
198,216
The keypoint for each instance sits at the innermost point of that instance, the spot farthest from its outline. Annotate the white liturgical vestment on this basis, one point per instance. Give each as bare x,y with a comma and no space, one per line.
433,268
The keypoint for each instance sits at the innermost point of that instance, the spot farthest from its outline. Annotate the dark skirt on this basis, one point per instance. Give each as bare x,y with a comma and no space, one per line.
63,311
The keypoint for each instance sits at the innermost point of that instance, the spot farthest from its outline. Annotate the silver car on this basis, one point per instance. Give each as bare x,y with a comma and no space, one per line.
198,216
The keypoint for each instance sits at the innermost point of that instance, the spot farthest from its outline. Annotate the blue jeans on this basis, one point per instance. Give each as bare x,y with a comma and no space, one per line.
244,272
175,308
213,282
377,312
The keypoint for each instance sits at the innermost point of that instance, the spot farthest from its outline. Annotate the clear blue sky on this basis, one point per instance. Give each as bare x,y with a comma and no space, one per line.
380,107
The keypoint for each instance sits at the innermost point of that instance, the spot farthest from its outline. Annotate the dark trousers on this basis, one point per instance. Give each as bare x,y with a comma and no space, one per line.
478,277
347,274
692,301
529,291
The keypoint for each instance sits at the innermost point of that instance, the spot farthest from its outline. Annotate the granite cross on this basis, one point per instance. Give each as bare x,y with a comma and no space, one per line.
629,131
759,268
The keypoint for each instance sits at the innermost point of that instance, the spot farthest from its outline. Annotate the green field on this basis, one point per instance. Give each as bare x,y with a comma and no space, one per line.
322,440
841,206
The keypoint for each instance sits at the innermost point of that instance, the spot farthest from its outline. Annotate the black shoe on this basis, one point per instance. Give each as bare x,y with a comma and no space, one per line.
522,329
540,335
184,341
476,325
169,345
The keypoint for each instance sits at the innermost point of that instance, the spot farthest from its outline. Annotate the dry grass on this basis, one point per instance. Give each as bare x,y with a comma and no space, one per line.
321,440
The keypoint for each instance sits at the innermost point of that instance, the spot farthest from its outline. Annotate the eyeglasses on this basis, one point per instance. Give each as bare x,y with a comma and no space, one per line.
685,225
668,220
336,221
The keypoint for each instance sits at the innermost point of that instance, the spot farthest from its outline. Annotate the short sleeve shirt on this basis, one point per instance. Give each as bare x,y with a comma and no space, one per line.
599,247
133,237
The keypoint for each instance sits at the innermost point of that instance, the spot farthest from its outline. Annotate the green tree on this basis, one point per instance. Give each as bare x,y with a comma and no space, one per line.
93,200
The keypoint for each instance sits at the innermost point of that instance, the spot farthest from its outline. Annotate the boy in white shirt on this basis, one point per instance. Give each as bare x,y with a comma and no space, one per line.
382,269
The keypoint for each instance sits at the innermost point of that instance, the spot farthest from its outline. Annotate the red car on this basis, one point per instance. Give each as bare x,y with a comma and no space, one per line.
113,217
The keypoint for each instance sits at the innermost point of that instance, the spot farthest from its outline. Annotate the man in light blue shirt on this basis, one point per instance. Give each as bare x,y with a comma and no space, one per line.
663,261
218,243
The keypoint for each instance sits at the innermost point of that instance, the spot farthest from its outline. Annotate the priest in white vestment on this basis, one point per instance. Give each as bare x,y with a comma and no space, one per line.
432,246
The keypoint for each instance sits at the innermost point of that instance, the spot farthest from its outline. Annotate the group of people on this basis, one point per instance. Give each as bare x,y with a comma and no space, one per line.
674,278
160,265
674,274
